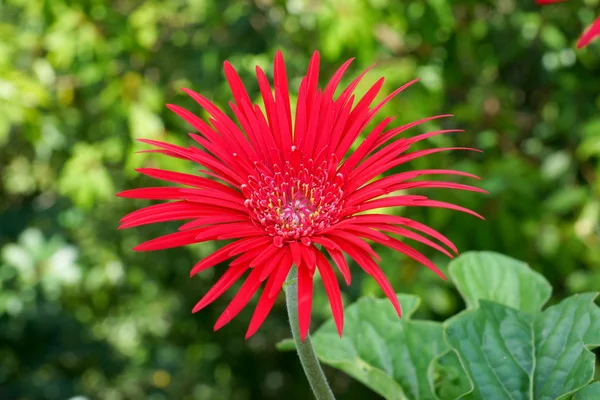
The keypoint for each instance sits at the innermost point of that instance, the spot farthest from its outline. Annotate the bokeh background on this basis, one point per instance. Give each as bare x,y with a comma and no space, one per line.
83,315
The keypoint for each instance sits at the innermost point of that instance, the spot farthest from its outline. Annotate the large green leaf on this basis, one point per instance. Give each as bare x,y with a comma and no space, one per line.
451,380
590,392
391,355
509,353
498,278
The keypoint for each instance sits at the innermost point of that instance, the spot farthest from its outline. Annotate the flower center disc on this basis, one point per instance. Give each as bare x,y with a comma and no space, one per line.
294,203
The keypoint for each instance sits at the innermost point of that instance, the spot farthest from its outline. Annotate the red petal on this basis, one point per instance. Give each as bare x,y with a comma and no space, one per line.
369,219
296,253
226,252
273,263
240,300
590,34
308,255
366,146
333,291
388,181
357,178
400,247
354,240
235,83
305,288
229,277
329,244
436,184
161,213
338,258
227,231
269,295
358,119
413,201
281,84
282,273
168,241
250,254
411,235
372,269
213,219
266,254
154,193
386,136
229,127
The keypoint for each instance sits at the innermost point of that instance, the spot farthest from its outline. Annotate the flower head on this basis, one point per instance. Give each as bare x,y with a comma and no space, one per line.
591,33
289,191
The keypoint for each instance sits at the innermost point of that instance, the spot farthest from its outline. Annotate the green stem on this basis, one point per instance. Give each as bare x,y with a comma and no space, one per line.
306,352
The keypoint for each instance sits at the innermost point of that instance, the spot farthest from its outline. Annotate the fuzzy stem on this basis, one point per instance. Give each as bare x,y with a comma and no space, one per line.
306,352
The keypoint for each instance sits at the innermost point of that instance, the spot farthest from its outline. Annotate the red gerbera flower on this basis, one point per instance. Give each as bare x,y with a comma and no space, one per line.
288,190
588,35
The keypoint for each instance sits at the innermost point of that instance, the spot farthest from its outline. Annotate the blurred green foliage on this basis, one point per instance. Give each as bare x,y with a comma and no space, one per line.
82,315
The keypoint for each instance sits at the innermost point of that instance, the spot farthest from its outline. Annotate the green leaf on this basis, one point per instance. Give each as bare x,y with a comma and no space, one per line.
451,380
391,355
509,353
590,392
498,278
285,345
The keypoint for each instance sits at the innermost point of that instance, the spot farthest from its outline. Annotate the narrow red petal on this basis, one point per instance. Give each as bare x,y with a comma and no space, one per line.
281,84
357,178
155,209
305,289
213,220
336,78
411,235
233,132
400,247
153,193
392,133
269,102
367,144
419,227
163,212
308,143
333,291
591,33
229,278
228,231
226,252
171,240
358,119
338,258
273,263
308,256
413,201
436,184
235,84
269,296
329,244
243,296
312,78
282,273
354,240
296,253
365,262
389,181
199,157
252,253
262,258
